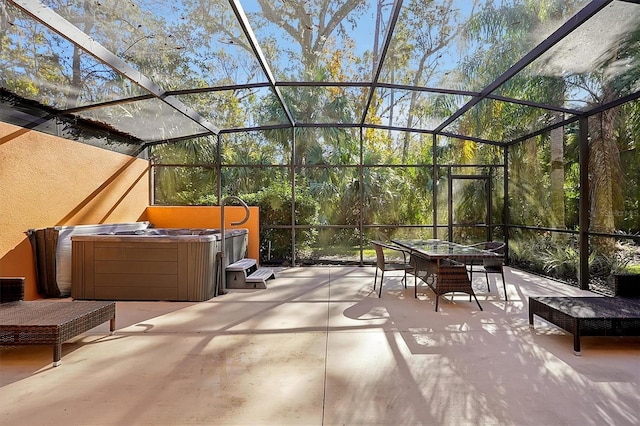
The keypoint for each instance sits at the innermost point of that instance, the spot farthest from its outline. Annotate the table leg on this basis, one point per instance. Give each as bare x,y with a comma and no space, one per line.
576,337
530,316
57,354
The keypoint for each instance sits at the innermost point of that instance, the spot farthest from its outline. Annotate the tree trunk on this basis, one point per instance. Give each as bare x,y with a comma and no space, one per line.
75,88
605,177
557,178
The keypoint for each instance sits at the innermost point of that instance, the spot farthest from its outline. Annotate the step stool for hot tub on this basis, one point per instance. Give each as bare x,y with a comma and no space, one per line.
245,274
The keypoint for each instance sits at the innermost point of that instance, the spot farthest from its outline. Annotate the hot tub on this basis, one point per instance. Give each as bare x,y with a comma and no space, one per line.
151,264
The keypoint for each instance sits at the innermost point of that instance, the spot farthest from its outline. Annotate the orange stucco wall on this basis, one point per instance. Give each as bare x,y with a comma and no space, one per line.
50,181
207,217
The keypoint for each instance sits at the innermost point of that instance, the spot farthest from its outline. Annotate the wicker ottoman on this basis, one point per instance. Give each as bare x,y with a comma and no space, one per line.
589,316
48,322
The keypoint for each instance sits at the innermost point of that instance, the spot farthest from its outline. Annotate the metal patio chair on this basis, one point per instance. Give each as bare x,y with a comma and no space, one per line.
383,264
491,266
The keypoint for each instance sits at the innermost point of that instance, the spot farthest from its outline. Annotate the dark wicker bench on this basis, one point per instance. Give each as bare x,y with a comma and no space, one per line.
593,316
47,322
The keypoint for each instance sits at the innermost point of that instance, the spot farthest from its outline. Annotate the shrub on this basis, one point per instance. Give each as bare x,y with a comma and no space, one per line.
275,209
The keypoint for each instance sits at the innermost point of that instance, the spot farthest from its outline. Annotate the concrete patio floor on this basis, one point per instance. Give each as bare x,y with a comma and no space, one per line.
318,347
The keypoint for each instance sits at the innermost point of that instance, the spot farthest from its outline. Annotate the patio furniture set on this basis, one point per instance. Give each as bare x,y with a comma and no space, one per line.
448,267
444,266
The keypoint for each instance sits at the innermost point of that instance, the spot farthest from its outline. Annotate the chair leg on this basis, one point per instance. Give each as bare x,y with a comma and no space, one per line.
474,296
375,279
415,286
504,286
381,281
486,275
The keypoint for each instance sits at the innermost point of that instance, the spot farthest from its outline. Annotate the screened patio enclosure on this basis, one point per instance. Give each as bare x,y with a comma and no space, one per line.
345,121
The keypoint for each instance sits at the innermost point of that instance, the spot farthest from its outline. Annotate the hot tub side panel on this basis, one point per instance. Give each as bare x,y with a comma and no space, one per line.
121,268
201,270
236,245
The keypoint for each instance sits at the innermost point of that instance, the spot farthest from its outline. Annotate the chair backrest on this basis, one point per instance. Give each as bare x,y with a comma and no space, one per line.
378,246
494,246
627,285
11,289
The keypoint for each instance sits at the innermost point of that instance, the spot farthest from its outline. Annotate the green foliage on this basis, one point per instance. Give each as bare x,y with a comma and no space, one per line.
275,209
603,264
557,256
548,254
561,261
185,185
207,51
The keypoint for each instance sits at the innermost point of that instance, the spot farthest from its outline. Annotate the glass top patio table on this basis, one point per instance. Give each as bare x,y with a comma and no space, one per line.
439,249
